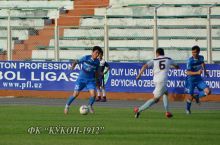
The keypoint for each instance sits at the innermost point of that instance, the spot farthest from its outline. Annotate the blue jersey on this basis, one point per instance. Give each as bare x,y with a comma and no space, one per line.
89,67
195,65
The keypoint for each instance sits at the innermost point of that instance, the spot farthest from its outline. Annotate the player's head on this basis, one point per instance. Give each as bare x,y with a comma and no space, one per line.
101,55
195,51
159,51
96,51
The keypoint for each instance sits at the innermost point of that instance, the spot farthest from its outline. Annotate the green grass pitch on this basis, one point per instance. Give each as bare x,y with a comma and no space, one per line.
119,127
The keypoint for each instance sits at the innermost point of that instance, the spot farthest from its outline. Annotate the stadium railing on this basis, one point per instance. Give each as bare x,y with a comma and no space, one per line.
186,20
158,2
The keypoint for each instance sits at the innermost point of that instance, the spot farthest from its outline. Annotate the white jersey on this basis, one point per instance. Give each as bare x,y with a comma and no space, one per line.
161,66
102,65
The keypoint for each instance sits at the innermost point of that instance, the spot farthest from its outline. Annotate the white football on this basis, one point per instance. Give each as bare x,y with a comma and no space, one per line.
84,110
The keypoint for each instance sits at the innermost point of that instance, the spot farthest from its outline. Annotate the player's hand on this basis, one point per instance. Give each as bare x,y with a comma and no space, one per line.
206,73
199,72
71,67
138,77
101,74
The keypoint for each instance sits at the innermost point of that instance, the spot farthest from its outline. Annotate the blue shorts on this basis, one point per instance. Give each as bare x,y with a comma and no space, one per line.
191,85
84,83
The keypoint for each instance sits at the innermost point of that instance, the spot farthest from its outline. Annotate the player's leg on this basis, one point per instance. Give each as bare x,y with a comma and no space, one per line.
190,86
166,105
91,100
157,94
204,89
166,102
145,106
91,86
148,104
79,85
104,99
102,88
69,101
98,89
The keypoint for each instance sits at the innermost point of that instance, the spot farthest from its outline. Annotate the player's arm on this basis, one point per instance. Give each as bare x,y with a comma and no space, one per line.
107,68
174,65
191,73
75,62
203,65
145,66
204,68
78,61
105,72
189,69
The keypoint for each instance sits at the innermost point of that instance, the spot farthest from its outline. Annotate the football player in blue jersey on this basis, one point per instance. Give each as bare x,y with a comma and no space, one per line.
87,77
195,67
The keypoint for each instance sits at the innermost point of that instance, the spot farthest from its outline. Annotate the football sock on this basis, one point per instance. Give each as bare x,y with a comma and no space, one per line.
70,100
188,104
91,101
146,105
166,103
202,94
98,92
103,92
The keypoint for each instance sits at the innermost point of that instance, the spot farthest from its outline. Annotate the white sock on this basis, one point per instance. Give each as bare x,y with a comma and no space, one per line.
166,103
103,92
98,92
147,105
66,106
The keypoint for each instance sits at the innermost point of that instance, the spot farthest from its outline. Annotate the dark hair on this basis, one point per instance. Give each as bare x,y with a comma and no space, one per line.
196,47
97,48
160,51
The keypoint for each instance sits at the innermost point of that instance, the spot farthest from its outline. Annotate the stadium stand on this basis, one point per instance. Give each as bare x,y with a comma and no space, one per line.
179,29
45,4
27,19
23,51
21,34
156,2
181,24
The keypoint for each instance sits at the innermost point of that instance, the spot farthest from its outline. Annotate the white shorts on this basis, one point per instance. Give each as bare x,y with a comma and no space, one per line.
160,89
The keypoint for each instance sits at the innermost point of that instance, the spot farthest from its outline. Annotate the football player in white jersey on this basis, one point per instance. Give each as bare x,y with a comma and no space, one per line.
103,69
161,66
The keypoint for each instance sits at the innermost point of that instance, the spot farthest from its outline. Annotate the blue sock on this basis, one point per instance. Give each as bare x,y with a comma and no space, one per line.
91,101
188,104
201,94
70,100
